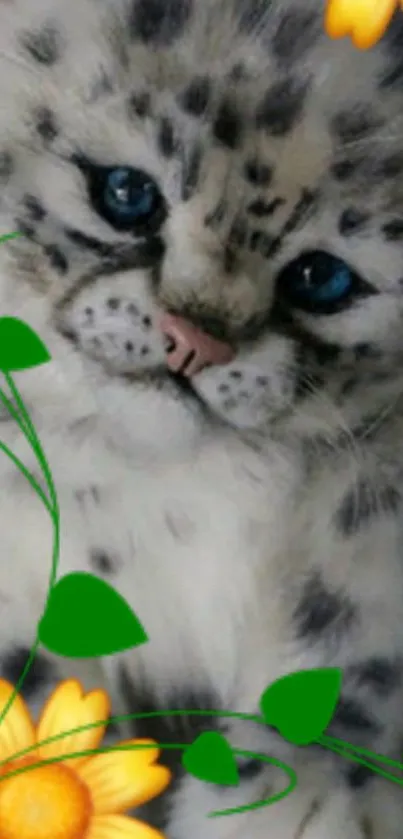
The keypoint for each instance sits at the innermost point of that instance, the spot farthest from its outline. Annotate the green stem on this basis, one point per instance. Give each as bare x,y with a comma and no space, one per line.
9,236
30,478
129,717
29,429
124,747
15,415
333,741
38,450
52,506
348,755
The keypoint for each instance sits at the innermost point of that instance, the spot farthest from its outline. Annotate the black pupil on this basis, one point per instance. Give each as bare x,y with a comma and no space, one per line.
130,193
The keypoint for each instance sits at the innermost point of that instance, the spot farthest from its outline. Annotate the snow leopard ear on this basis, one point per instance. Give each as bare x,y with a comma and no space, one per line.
20,347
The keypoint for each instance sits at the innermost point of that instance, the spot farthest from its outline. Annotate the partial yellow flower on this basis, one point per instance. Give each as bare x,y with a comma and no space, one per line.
72,798
365,20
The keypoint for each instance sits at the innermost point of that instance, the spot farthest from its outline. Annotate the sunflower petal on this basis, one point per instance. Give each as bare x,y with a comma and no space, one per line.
121,827
118,780
17,730
67,708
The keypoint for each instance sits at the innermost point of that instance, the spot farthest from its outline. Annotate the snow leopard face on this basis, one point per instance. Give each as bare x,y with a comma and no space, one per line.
224,161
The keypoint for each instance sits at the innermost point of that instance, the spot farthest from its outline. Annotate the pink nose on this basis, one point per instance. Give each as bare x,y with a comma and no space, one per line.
190,349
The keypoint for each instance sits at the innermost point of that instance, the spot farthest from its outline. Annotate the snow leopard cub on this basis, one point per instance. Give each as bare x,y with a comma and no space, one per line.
222,163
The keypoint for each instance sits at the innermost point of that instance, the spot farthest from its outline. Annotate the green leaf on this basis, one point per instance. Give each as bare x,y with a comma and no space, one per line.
87,618
301,705
210,758
20,347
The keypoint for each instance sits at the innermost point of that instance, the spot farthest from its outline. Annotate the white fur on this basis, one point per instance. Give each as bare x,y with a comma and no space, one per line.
214,521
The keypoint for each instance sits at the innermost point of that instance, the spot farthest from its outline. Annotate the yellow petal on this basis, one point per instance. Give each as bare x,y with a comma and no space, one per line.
118,780
67,708
17,730
365,20
121,827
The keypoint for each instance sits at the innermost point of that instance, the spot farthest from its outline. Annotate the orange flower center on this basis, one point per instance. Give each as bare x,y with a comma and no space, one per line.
45,803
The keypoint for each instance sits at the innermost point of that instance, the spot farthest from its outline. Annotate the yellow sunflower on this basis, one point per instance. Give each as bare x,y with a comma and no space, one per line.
365,20
73,798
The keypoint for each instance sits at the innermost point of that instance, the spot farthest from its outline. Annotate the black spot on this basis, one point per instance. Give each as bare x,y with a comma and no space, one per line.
295,34
191,172
342,170
362,504
46,124
251,14
394,76
352,221
322,612
350,385
34,208
141,698
351,125
195,99
388,167
57,258
89,242
44,46
159,22
299,213
238,73
217,215
227,126
223,388
350,714
238,234
366,350
307,383
325,354
251,769
262,242
139,104
257,173
167,143
261,208
359,776
26,229
229,261
101,86
392,42
393,230
113,303
380,674
102,561
146,321
91,494
280,107
236,374
381,376
6,165
40,674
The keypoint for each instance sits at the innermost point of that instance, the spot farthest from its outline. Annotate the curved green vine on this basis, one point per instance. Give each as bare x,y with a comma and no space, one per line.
275,710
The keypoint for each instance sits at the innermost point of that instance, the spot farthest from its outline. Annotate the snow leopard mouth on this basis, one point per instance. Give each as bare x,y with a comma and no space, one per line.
185,390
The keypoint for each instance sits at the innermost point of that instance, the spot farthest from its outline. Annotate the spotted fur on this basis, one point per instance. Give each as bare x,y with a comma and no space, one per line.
252,520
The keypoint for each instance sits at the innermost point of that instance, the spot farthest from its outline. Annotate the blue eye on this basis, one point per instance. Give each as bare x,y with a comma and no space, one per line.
129,199
129,194
319,283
